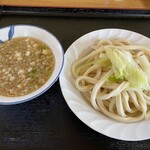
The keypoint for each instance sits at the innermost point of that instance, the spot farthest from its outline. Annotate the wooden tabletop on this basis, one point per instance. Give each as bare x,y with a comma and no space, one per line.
104,4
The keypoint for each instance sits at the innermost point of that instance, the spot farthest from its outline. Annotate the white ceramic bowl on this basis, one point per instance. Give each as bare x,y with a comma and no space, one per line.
85,112
13,31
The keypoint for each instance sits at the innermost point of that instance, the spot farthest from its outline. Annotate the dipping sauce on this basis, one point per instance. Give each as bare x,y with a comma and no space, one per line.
25,65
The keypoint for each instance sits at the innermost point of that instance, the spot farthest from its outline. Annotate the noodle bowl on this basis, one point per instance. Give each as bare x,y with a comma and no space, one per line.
114,78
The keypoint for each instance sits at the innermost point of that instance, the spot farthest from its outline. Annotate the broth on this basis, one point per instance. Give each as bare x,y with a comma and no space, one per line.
25,65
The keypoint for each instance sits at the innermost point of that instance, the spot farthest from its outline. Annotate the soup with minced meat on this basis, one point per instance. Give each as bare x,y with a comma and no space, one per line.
25,65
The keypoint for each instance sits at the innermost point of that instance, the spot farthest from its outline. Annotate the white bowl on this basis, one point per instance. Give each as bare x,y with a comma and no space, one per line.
13,31
81,108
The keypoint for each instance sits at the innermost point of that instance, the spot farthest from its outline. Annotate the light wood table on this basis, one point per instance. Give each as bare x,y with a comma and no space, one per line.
102,4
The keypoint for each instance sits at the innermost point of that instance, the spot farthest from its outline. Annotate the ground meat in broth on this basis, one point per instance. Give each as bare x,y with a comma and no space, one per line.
25,65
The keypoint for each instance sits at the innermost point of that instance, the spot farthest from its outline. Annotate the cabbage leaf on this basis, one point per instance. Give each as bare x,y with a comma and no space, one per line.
125,68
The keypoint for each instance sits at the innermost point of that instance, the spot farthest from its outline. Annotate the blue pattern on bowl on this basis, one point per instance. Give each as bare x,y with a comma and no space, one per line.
1,41
10,33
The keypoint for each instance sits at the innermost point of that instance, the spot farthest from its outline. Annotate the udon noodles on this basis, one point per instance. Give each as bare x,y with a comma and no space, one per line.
114,77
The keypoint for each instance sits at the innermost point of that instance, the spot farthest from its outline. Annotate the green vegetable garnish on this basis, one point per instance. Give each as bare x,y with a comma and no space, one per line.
125,68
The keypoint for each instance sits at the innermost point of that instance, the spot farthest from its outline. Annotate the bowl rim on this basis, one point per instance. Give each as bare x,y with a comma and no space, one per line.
13,102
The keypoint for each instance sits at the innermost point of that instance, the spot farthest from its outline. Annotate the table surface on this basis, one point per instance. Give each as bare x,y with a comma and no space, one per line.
47,122
107,4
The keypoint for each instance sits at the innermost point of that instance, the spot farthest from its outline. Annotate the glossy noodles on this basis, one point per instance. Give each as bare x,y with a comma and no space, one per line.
114,77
